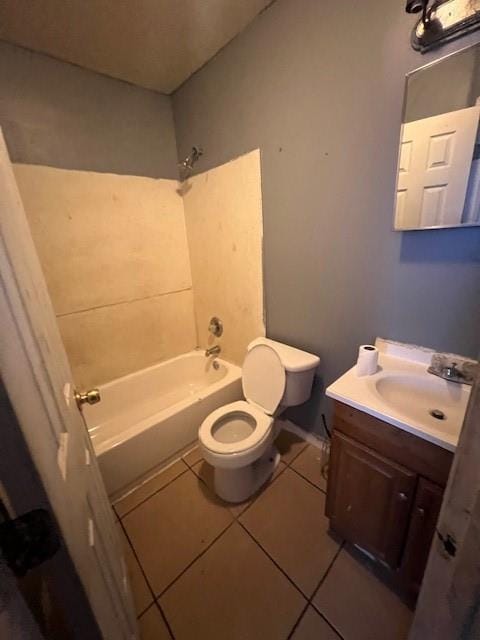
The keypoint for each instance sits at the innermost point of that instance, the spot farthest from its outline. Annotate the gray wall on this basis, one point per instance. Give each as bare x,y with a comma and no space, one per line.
318,87
57,114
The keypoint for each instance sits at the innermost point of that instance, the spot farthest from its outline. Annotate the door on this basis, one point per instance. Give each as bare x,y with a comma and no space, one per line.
426,508
370,499
448,605
434,165
38,380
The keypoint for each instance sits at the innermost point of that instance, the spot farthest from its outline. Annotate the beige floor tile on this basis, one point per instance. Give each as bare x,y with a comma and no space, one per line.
144,491
238,509
310,464
289,445
142,595
233,592
193,456
288,521
359,605
205,472
313,627
152,625
173,526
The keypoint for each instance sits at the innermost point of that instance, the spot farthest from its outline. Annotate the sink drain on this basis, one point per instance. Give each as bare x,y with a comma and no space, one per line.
437,414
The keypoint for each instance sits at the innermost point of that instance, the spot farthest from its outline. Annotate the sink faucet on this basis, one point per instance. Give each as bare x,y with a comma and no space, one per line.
451,371
213,351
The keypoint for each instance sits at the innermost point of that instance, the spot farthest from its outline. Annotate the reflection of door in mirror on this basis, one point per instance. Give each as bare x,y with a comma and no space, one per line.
435,162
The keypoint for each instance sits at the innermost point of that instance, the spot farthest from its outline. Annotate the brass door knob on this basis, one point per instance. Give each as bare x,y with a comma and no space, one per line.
87,397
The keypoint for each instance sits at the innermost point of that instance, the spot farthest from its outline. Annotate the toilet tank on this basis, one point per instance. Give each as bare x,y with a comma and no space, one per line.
299,367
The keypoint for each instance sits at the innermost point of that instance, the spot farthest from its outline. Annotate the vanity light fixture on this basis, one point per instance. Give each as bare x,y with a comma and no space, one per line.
442,21
415,6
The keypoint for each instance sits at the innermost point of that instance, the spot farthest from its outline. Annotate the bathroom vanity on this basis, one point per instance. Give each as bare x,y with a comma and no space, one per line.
385,489
390,459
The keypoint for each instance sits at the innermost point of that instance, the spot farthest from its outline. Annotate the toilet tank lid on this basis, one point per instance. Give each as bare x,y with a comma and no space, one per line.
292,359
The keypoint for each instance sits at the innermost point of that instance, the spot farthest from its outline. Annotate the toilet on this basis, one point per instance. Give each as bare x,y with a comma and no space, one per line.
237,439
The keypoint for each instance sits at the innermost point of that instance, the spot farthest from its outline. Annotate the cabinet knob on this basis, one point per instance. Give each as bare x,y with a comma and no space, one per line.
421,511
402,496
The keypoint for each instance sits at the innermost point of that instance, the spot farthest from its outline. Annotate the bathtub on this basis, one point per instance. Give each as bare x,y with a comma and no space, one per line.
147,418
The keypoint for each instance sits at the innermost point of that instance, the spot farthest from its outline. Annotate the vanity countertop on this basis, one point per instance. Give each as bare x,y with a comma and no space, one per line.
404,394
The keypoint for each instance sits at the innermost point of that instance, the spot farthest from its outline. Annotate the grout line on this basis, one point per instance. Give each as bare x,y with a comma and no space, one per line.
167,624
234,520
163,592
190,466
255,498
295,626
309,481
152,593
311,603
262,490
119,302
152,494
296,456
274,561
155,605
327,621
322,580
143,611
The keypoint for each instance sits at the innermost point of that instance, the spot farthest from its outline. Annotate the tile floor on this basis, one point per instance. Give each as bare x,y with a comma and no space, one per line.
267,569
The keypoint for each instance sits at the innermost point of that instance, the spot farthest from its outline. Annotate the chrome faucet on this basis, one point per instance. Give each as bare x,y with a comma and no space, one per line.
452,372
213,351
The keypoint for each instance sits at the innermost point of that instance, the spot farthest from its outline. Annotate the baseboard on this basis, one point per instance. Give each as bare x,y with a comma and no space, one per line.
308,436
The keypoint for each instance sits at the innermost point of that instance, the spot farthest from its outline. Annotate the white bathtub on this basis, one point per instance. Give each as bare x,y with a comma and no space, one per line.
147,418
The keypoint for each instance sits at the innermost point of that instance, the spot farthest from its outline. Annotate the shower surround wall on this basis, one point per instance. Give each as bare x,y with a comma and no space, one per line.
114,253
223,213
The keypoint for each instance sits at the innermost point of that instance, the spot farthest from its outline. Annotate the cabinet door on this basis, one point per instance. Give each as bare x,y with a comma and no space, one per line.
369,499
426,508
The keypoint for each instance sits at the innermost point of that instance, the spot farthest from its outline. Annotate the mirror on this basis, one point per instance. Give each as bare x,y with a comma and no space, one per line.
438,181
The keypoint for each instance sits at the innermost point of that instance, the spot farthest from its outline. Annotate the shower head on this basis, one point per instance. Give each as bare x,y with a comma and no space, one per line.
186,165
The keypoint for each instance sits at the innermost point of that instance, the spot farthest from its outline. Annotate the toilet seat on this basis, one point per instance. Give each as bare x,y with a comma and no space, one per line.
260,425
236,428
263,378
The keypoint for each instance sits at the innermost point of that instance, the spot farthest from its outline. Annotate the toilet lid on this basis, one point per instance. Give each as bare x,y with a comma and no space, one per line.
263,378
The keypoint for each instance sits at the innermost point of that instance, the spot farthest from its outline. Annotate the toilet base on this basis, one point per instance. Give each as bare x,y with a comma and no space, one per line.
237,485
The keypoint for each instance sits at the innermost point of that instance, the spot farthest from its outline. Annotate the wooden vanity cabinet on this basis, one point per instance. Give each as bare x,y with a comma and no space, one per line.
371,499
423,520
385,488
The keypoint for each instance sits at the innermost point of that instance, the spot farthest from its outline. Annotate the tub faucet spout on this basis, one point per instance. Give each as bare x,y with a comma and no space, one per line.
213,351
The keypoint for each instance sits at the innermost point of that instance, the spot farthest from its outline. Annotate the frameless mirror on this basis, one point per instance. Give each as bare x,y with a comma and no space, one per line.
438,182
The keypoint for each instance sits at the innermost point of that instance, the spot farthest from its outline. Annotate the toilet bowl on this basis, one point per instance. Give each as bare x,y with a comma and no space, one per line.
237,439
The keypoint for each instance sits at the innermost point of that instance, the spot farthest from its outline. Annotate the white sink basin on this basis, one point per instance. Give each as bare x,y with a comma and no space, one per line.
426,399
405,395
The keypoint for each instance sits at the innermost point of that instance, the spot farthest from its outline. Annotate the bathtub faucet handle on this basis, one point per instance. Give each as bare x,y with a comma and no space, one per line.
215,326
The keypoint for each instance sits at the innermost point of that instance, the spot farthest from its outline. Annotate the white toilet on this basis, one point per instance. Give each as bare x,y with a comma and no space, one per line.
237,439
